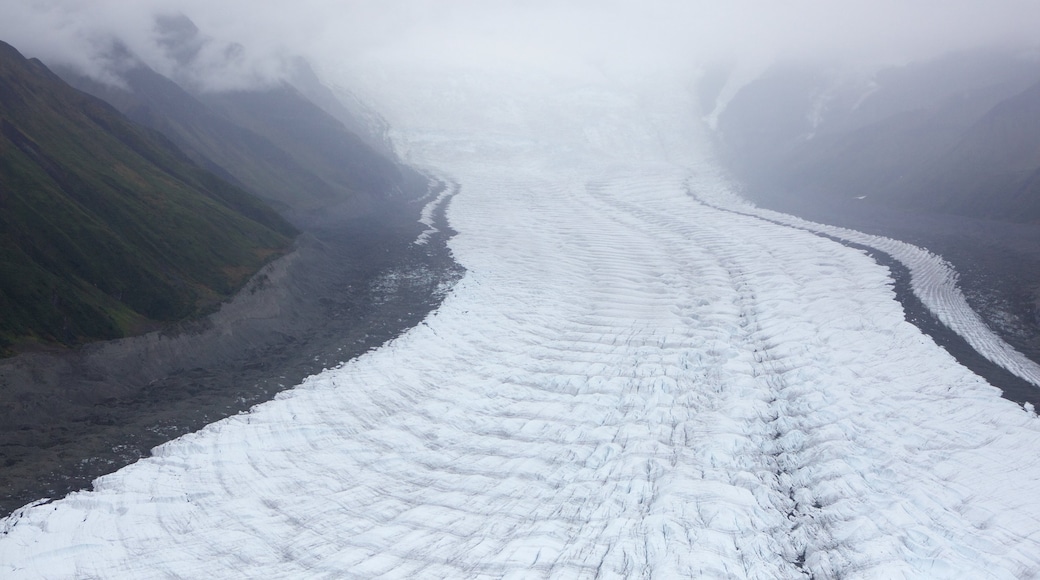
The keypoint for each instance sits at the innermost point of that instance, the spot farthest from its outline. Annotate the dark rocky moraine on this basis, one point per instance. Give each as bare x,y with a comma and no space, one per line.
354,281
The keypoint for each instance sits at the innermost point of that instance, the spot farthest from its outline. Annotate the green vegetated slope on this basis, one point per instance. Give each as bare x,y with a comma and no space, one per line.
273,141
105,226
210,139
292,142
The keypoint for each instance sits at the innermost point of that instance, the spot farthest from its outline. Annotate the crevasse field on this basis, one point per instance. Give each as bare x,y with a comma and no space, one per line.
639,376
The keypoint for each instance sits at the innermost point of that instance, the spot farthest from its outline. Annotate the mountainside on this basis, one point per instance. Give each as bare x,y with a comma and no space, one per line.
273,141
958,135
107,227
210,139
312,138
995,165
354,279
356,115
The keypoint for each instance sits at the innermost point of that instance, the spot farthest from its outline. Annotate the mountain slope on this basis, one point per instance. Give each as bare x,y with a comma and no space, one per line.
107,227
210,139
273,141
992,169
312,137
956,135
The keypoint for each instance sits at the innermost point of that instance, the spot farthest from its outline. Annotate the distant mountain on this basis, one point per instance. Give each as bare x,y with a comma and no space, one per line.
958,134
211,139
273,141
297,145
107,227
994,167
312,138
356,116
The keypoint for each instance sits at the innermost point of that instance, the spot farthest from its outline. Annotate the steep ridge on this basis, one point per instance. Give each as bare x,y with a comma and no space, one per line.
351,282
209,138
955,134
992,170
272,140
108,227
357,116
292,141
625,383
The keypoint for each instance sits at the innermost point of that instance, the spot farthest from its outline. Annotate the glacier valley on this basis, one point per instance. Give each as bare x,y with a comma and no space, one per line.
640,375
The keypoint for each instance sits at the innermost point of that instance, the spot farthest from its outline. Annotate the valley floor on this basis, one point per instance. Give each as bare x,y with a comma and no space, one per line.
352,283
629,381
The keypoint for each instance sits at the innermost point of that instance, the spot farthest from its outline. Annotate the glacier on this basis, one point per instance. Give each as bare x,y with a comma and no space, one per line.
638,376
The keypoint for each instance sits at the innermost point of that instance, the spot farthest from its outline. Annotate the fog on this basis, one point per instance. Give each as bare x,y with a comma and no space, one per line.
245,43
639,373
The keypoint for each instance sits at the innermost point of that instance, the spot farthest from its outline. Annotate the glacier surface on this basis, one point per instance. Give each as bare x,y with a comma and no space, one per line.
630,381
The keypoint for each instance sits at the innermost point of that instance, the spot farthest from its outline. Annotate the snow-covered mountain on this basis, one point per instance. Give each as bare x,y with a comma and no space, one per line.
638,376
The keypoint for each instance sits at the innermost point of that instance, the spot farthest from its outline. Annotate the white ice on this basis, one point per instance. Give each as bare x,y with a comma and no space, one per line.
626,383
426,216
933,280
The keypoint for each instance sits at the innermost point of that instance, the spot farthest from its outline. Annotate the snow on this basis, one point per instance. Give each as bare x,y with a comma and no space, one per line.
629,381
933,281
426,216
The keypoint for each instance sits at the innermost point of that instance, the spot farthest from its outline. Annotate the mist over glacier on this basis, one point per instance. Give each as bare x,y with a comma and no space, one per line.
248,43
632,379
639,375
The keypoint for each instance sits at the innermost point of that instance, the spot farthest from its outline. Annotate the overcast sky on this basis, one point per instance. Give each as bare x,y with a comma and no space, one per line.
554,35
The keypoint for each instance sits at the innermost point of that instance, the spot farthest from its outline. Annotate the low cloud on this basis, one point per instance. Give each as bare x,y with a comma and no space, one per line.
248,42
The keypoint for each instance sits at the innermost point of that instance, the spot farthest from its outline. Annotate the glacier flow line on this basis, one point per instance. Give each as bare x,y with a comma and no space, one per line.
448,189
801,532
932,279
